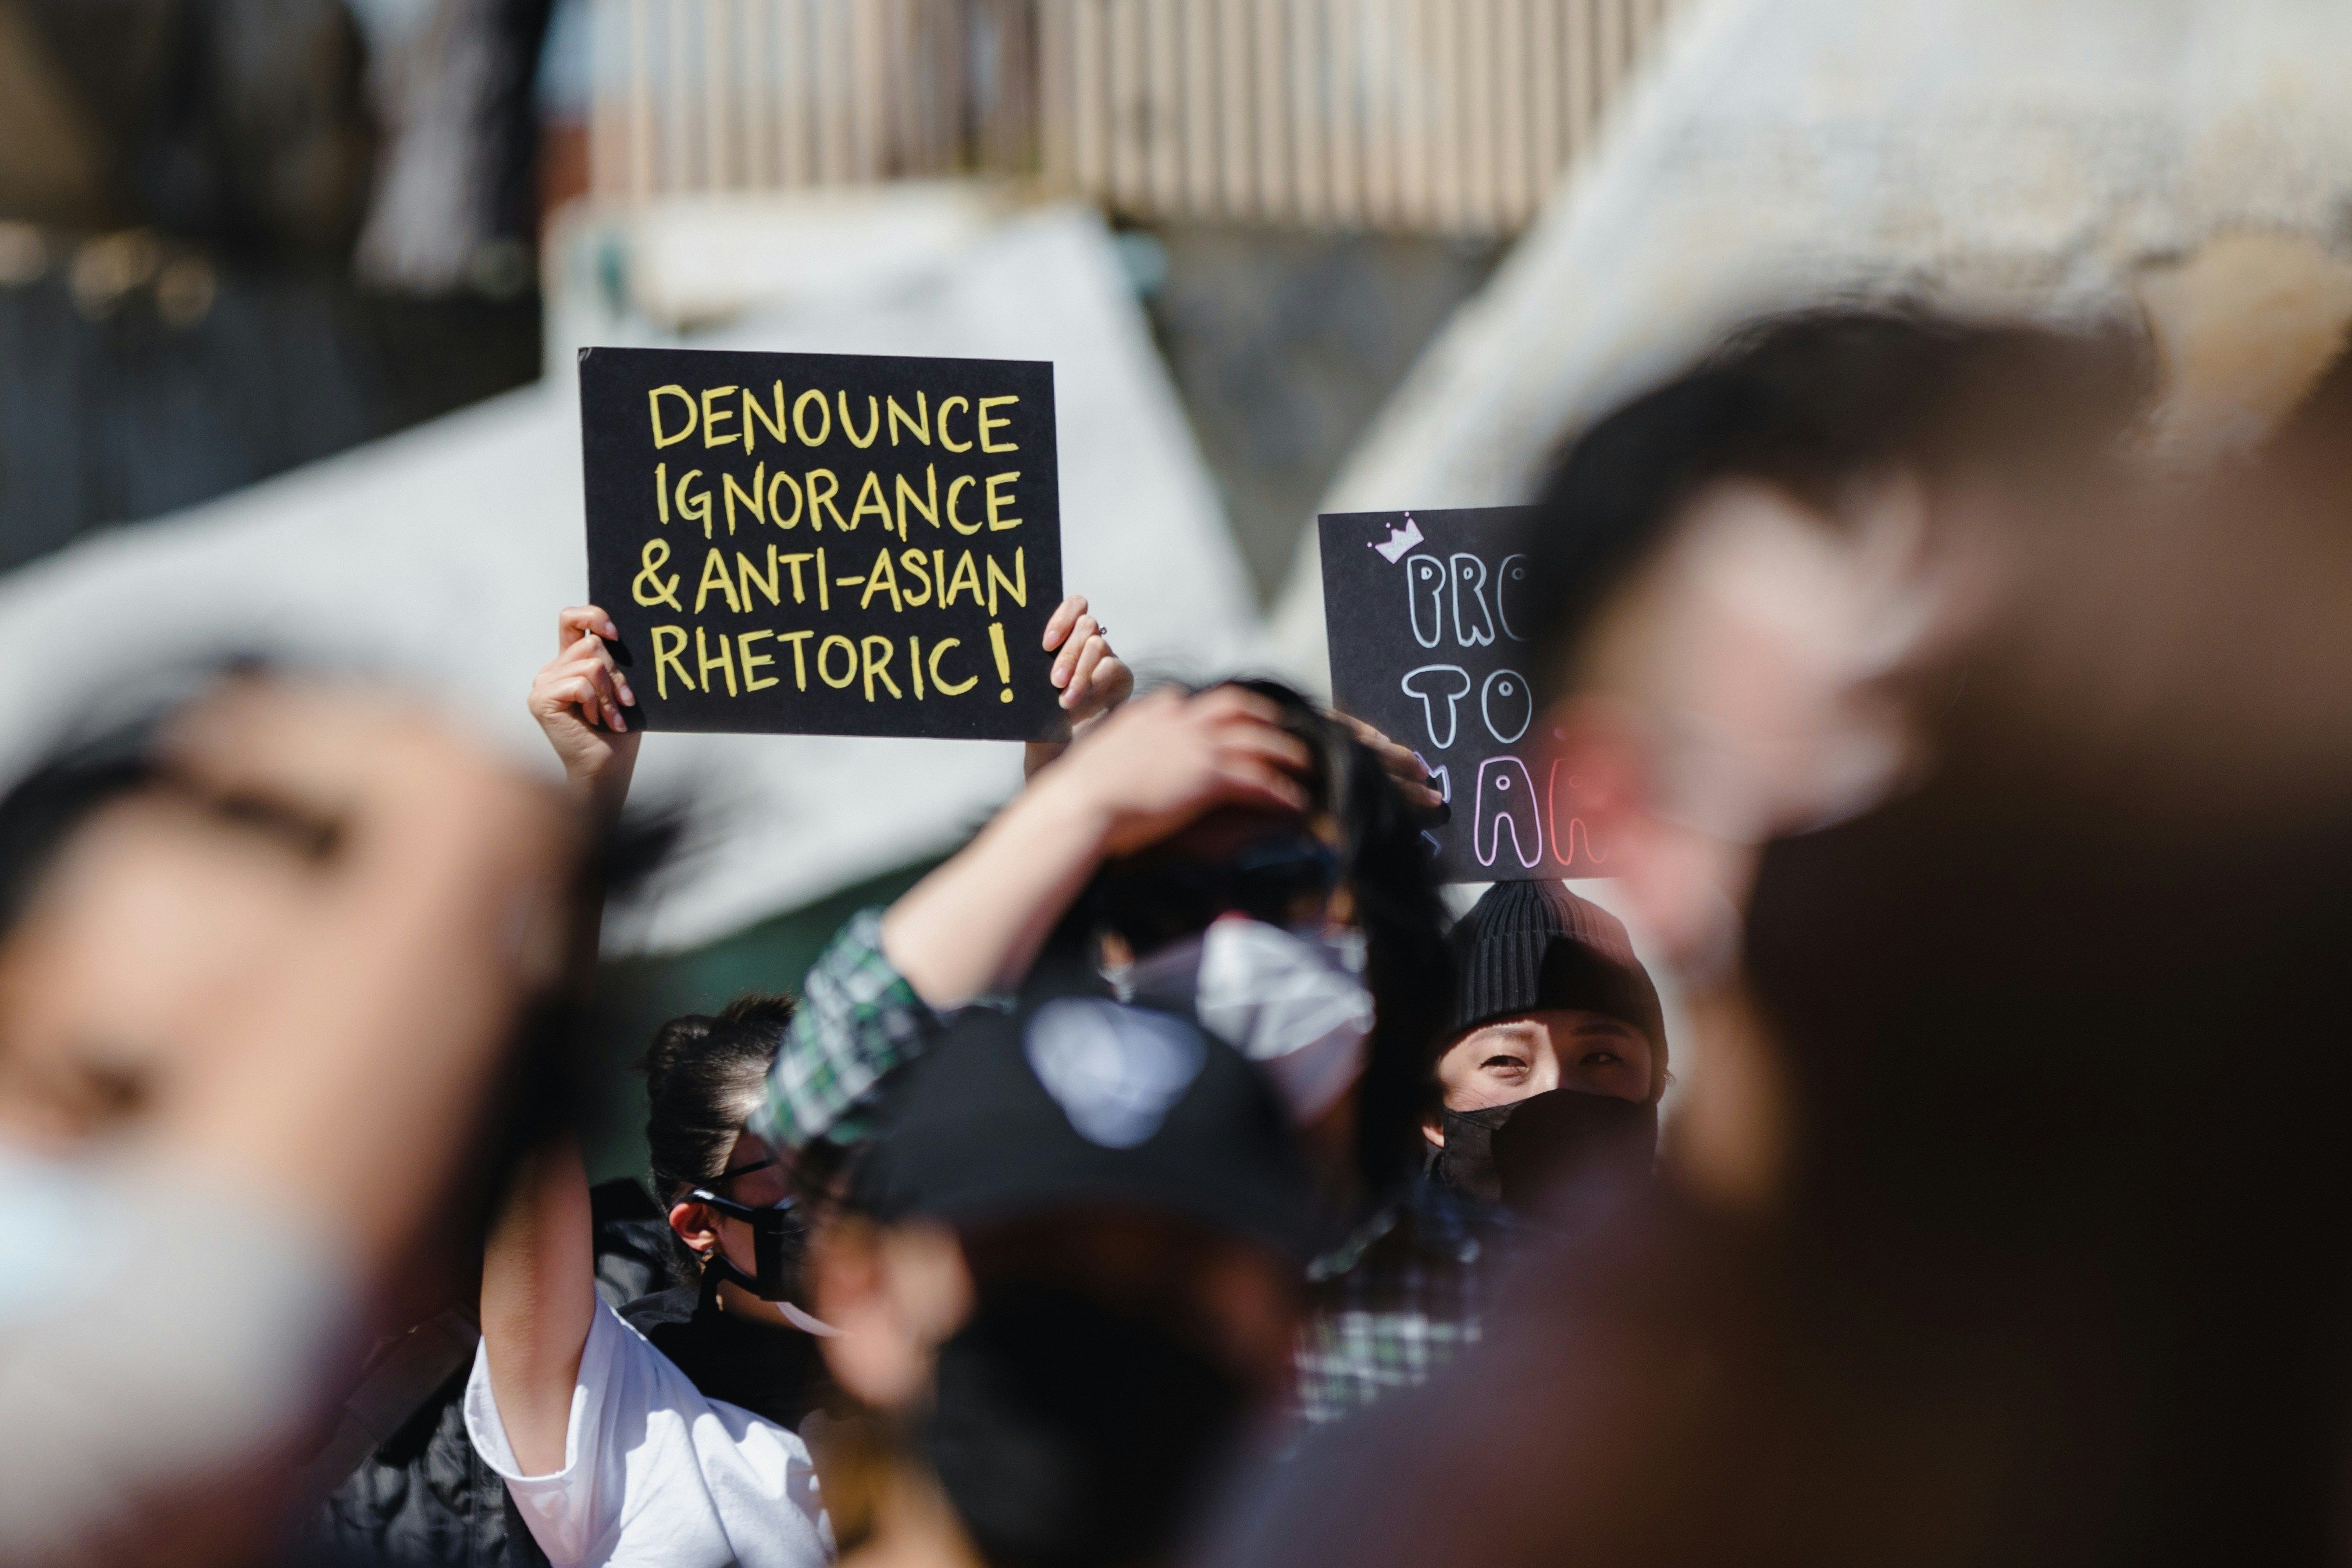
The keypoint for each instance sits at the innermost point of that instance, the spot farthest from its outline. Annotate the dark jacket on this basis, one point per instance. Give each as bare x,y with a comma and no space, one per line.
778,1374
423,1498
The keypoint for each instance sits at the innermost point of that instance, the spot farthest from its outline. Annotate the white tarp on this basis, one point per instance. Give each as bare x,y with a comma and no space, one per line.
2051,156
442,555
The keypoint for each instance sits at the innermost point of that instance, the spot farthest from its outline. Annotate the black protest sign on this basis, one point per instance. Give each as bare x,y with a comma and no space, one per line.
1424,614
838,544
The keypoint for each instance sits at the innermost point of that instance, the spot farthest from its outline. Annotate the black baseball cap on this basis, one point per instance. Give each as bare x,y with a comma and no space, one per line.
1079,1101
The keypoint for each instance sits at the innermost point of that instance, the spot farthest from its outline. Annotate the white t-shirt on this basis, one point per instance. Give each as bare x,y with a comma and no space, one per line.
654,1472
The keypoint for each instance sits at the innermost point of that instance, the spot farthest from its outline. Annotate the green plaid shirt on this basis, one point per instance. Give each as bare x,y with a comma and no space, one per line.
1401,1297
858,1022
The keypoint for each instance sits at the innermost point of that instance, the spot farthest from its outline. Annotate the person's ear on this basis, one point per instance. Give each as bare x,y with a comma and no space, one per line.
696,1224
895,1294
1433,1128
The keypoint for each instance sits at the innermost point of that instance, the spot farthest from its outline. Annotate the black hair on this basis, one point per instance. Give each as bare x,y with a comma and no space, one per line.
705,1076
1388,873
1810,403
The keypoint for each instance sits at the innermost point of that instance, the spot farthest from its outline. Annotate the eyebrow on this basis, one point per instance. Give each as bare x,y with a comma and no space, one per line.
312,835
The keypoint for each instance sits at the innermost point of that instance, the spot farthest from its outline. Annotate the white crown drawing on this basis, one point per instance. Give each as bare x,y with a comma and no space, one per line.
1399,541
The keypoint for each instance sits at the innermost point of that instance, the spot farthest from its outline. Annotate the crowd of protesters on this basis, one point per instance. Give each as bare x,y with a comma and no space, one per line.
1170,1176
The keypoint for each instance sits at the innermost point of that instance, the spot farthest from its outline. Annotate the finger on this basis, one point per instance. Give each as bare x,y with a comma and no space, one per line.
583,618
1277,748
1113,681
1381,746
1402,764
1418,786
597,671
1237,701
1081,685
1396,757
1080,635
1065,615
1072,647
1245,783
575,691
593,699
608,695
593,647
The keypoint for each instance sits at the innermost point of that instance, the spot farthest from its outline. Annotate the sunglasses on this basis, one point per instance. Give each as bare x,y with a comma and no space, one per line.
778,1235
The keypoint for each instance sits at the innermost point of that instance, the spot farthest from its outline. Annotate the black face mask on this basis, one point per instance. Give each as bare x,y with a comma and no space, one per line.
778,1242
1521,1154
1467,1162
1071,1436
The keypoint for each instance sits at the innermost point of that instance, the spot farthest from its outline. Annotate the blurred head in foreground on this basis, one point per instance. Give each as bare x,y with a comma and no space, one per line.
1750,582
1067,1282
2046,1272
134,904
264,960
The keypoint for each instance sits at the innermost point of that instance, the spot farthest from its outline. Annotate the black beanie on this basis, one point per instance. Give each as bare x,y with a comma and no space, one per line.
1529,945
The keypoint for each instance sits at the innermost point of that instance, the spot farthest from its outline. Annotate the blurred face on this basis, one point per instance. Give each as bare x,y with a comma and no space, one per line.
1071,1382
1732,691
1745,683
1512,1058
1229,1299
159,912
897,1294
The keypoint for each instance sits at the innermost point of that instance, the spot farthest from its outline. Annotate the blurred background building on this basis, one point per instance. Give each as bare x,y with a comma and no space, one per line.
289,291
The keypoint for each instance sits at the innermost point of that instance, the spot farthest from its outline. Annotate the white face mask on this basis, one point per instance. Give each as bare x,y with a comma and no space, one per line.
808,1322
1292,1001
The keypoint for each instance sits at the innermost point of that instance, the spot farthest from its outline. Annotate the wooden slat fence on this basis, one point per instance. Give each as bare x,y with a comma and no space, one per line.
1449,116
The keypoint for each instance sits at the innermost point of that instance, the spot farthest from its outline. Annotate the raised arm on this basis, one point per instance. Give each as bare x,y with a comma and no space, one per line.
976,924
868,1005
538,1299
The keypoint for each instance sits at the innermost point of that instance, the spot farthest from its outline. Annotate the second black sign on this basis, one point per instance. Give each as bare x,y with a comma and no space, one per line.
1427,629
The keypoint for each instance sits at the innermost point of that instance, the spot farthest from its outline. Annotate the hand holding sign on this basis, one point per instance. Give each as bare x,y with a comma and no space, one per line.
1401,763
1093,679
1427,634
581,700
824,544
